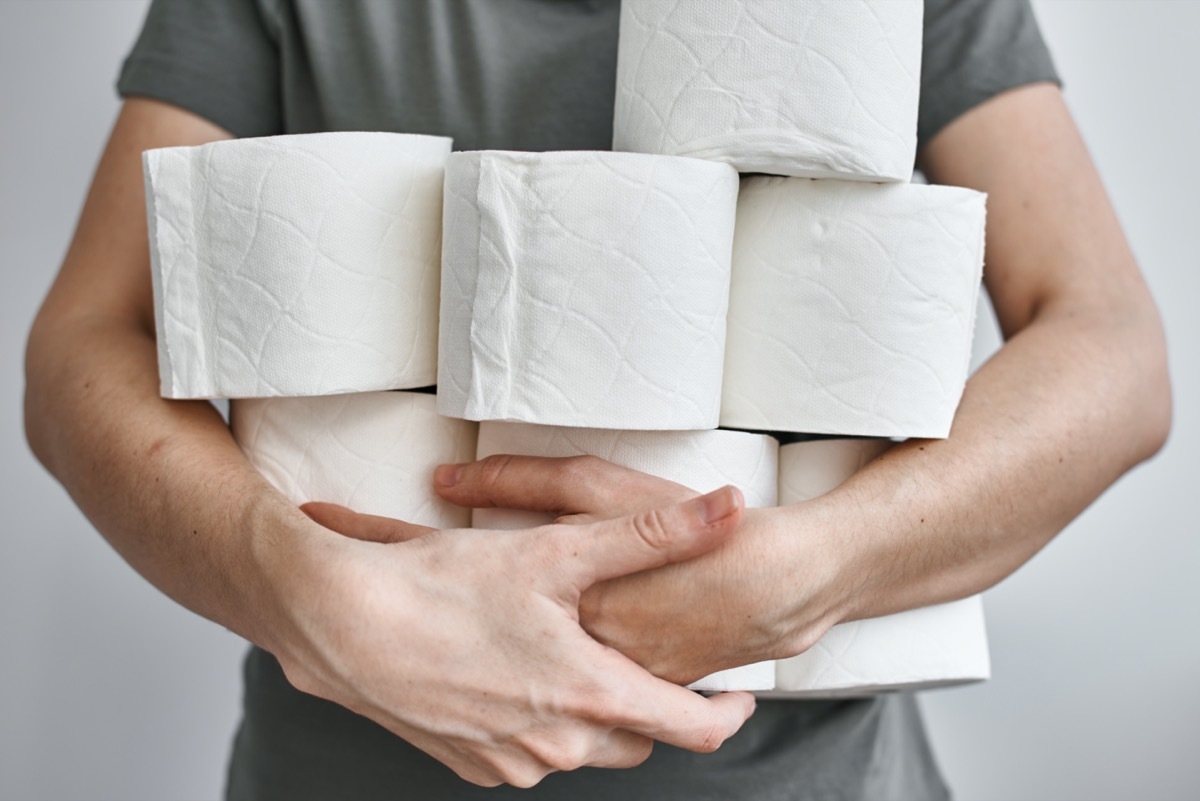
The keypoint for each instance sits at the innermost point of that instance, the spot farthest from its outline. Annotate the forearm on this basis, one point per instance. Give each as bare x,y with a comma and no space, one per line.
162,480
1078,394
1056,416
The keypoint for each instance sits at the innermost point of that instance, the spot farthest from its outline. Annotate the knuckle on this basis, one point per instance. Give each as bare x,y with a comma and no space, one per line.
637,753
522,776
595,703
565,755
583,466
711,738
651,527
492,469
483,778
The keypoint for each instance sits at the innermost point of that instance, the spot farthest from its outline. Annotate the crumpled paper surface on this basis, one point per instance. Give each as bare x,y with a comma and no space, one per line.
585,289
296,265
811,89
852,307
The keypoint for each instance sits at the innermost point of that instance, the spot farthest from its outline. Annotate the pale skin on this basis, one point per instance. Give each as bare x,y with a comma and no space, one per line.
1078,395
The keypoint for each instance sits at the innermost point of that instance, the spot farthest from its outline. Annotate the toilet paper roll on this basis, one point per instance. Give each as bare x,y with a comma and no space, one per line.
819,90
810,469
373,452
585,289
296,265
852,307
934,646
701,460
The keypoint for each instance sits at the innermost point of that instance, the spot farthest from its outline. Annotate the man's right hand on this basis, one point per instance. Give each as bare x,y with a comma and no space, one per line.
467,643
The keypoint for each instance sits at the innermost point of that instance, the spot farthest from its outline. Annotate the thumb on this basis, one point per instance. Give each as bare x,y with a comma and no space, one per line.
371,528
614,548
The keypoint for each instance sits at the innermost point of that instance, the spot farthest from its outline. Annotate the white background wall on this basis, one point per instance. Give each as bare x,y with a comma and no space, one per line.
109,691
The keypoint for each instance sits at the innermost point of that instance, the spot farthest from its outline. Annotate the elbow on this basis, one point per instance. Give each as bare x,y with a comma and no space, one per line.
1154,405
36,427
48,352
1157,407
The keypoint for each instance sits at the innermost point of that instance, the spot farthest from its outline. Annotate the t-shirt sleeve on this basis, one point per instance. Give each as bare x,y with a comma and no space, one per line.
974,50
215,58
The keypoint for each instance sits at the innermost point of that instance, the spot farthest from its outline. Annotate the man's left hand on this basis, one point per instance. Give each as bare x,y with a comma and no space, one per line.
768,593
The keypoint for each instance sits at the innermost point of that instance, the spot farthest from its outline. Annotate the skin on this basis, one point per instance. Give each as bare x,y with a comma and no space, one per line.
1078,395
517,691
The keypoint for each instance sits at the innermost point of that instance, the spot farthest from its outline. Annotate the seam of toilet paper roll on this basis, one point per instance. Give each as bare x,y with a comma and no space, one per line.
224,331
166,374
757,152
499,328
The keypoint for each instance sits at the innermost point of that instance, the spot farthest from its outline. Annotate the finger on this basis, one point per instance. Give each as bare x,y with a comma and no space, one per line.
371,528
568,485
621,748
646,540
685,719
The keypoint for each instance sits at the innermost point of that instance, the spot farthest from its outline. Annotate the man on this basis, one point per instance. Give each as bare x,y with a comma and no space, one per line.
399,632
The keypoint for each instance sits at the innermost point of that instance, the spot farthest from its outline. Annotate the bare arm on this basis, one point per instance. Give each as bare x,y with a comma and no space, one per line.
162,480
1078,395
488,633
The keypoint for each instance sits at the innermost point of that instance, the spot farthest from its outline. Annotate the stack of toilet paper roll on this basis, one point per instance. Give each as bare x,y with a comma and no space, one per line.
622,304
853,292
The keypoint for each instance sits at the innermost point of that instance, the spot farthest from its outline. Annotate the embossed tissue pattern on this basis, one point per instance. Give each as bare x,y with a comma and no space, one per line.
852,307
813,89
585,289
373,452
933,646
937,645
296,265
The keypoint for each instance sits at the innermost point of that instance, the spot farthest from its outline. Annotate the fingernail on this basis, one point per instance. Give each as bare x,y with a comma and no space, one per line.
447,475
717,505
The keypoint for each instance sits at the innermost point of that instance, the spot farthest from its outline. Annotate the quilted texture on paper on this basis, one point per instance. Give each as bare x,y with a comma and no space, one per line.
296,265
852,307
373,452
934,646
817,89
701,460
585,288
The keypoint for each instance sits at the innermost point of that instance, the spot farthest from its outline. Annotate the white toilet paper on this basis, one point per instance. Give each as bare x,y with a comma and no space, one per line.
701,460
935,646
810,469
852,307
296,265
819,90
585,288
373,452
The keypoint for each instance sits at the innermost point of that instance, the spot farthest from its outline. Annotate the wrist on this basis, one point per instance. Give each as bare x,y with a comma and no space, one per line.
282,563
823,570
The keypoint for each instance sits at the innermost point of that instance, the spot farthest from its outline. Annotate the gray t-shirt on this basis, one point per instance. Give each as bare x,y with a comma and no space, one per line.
523,75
